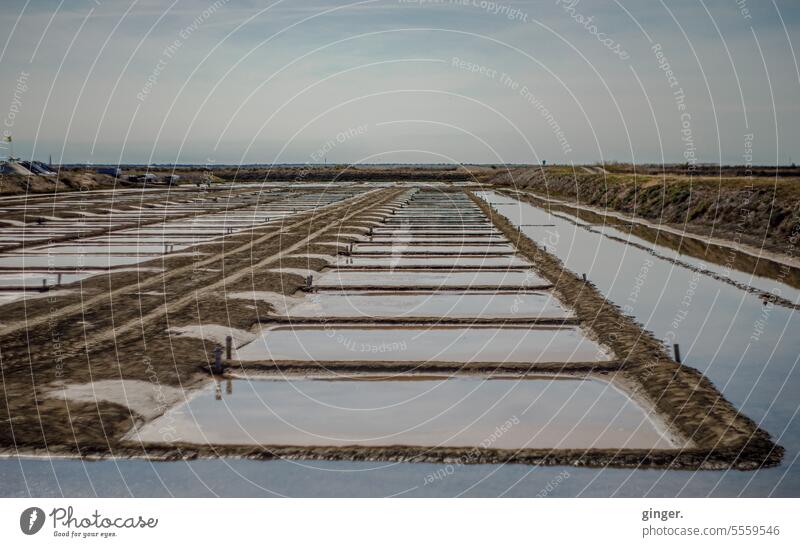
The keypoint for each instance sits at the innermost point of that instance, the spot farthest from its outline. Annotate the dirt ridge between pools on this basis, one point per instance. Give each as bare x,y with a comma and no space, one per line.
688,401
626,458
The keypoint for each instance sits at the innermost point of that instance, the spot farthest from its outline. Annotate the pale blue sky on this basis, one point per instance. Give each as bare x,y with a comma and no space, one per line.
377,81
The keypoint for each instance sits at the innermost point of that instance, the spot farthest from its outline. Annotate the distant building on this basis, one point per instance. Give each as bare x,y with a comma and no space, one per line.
113,171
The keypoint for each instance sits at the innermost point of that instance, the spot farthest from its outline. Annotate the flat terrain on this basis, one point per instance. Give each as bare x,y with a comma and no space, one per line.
112,312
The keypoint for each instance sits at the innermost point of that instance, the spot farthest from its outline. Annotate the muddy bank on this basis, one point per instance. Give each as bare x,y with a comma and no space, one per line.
688,459
760,211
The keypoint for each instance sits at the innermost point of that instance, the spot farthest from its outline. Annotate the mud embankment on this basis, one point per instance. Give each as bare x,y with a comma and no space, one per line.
12,184
763,212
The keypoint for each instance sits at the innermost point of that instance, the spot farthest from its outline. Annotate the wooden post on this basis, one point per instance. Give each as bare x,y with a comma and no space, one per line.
217,359
228,347
676,349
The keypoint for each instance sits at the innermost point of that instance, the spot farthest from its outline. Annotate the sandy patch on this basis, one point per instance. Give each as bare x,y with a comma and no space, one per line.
279,302
308,256
335,244
215,333
148,399
297,271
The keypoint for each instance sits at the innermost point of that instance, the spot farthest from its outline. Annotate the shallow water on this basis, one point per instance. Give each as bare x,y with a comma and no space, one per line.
400,247
467,412
754,365
403,261
35,279
461,305
105,249
462,344
421,278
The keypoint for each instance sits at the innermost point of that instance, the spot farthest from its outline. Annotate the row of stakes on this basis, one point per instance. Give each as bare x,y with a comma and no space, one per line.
44,283
218,366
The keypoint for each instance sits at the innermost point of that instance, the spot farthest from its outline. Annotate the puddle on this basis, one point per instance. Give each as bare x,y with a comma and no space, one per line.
458,344
461,305
469,412
438,240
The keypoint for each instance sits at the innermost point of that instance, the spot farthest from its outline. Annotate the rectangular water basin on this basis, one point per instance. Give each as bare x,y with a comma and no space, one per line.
68,261
453,344
402,247
541,305
433,279
542,412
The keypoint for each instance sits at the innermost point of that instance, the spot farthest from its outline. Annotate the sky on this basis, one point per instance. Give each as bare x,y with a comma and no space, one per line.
401,81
